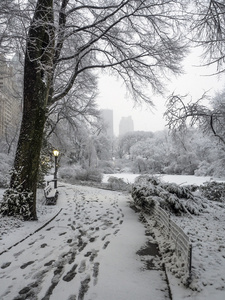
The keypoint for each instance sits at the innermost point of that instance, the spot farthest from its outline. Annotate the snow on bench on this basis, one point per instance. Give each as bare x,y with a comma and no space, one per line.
51,195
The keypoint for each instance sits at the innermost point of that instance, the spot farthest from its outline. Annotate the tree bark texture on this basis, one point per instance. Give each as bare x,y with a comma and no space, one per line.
37,83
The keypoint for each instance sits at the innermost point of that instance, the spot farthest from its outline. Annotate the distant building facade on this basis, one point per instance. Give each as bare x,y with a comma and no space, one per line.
126,125
10,102
107,117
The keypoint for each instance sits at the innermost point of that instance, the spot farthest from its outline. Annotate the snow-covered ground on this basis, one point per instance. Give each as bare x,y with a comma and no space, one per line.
89,251
178,179
96,248
206,233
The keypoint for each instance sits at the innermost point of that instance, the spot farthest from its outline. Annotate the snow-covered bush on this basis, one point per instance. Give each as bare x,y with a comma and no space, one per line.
214,191
147,191
140,165
67,172
106,167
123,165
92,174
73,173
16,201
204,169
118,184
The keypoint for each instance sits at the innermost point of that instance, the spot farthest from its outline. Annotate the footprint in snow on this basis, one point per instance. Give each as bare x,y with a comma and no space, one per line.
84,288
71,274
5,265
49,263
50,228
82,266
18,253
104,237
95,272
88,254
30,244
27,264
106,245
62,233
93,255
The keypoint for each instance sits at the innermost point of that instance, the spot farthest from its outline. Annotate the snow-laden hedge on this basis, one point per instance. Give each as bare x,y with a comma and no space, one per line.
72,173
118,184
16,201
147,191
214,191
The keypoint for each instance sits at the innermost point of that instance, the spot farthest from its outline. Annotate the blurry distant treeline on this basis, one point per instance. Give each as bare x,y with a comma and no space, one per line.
85,155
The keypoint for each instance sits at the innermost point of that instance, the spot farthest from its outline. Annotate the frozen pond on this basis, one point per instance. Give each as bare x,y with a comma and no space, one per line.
179,179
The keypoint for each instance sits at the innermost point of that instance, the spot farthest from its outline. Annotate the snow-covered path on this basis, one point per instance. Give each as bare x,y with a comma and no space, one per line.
94,249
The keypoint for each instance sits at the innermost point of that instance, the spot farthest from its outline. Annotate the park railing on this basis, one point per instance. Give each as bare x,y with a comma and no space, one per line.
183,247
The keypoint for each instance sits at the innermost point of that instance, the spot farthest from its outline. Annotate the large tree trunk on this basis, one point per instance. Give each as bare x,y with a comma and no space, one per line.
37,83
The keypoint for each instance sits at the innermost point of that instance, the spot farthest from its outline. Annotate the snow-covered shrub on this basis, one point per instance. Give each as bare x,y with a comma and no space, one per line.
94,174
16,201
215,168
76,172
90,174
67,172
218,168
106,167
118,184
204,169
214,191
140,165
146,191
123,165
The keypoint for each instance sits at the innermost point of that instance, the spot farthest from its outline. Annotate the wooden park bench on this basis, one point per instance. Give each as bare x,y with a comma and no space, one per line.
51,194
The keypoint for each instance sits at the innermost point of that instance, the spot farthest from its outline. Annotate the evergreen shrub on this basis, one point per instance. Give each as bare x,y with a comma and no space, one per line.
214,191
148,191
16,201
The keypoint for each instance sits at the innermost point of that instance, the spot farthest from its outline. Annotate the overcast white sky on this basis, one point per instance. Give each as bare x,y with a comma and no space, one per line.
112,95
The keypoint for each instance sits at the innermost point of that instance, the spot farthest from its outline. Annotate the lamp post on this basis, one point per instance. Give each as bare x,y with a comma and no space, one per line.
56,154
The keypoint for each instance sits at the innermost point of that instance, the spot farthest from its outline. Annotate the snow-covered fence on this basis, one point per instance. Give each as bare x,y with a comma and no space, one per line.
183,247
163,219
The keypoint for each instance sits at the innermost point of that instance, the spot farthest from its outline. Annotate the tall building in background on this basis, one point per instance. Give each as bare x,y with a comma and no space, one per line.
107,116
10,102
126,125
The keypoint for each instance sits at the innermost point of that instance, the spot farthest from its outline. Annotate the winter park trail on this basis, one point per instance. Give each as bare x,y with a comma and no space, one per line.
95,248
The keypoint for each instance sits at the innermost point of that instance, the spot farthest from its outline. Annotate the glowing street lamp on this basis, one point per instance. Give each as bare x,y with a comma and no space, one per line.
56,154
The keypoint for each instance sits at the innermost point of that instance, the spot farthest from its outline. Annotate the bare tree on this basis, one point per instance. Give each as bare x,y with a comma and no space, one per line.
209,118
134,39
208,30
5,20
76,107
